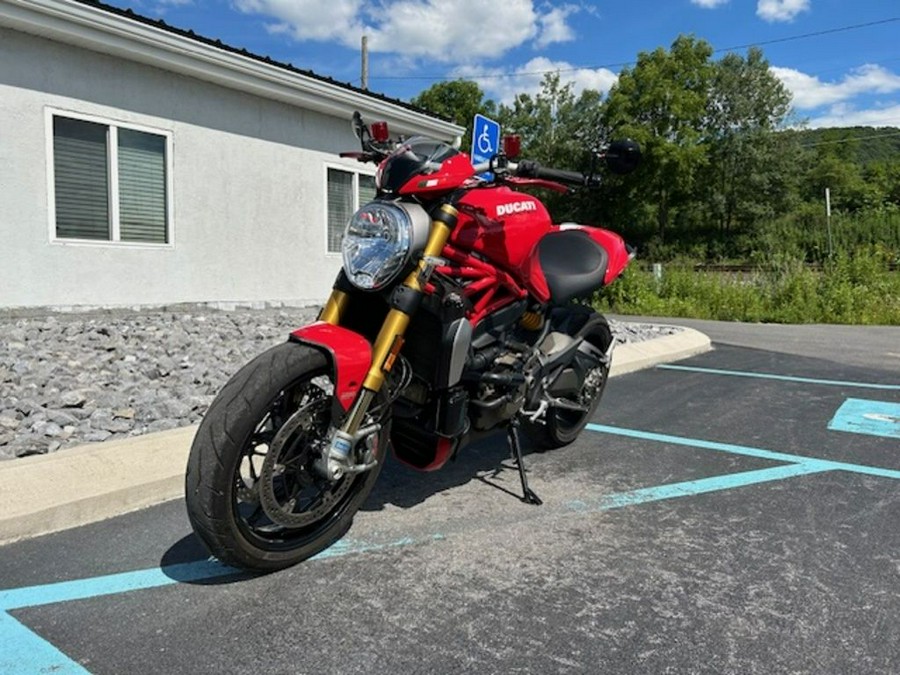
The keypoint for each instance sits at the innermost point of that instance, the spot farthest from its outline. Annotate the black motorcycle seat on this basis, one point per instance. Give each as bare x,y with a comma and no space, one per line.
573,264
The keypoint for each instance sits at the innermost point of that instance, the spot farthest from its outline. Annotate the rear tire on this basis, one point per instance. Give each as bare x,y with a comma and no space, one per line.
228,479
563,426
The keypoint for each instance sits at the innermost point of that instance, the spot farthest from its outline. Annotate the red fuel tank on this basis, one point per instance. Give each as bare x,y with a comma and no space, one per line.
501,224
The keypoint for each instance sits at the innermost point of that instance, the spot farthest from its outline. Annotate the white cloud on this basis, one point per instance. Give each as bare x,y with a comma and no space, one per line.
464,30
310,19
554,26
709,4
456,31
504,85
780,10
160,7
844,116
810,92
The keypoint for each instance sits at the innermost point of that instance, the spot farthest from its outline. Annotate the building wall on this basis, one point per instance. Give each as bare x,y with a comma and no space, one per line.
248,199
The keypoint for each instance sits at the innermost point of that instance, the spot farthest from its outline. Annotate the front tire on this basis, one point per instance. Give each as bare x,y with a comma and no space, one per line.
234,480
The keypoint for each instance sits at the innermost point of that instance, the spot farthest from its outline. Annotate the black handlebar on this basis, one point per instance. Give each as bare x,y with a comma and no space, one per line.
530,169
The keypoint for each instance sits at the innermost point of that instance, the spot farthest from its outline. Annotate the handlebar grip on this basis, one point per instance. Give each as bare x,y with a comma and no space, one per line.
529,169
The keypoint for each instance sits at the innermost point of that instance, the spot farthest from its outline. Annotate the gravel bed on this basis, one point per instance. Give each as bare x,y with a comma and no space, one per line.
70,379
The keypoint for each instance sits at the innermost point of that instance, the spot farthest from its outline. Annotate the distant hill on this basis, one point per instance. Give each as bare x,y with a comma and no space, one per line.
864,145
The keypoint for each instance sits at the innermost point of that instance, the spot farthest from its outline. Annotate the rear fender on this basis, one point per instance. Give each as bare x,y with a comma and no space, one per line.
617,250
350,354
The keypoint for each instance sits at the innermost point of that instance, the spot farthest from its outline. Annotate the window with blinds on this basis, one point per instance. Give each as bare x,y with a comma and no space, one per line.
346,192
110,182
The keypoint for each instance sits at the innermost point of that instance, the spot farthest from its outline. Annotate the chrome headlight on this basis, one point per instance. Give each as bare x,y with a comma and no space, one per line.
378,241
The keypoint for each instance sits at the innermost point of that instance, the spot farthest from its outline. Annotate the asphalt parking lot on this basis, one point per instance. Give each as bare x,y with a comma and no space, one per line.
733,513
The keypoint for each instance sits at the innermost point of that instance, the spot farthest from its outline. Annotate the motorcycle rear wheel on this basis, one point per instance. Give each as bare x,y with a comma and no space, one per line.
234,481
562,426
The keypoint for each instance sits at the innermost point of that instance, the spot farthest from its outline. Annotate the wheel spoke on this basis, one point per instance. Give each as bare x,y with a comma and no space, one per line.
280,499
253,518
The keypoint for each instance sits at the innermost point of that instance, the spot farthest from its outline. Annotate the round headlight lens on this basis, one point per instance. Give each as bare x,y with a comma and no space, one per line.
376,245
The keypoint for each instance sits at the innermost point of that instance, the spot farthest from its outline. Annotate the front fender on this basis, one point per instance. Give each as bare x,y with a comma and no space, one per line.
350,354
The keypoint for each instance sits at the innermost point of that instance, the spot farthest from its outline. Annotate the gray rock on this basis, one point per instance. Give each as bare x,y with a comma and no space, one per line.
162,425
49,429
31,447
28,406
9,420
123,373
96,436
73,399
61,417
100,418
119,426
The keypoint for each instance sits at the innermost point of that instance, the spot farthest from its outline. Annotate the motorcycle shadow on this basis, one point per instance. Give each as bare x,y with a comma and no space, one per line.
483,460
487,459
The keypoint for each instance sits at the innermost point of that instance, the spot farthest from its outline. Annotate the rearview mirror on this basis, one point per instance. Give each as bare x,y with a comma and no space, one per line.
358,126
623,156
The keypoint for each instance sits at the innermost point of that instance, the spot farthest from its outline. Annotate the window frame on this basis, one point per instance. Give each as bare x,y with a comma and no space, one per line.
356,172
112,156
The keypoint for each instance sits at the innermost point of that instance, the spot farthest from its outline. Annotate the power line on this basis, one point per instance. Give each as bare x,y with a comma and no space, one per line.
623,64
828,31
851,139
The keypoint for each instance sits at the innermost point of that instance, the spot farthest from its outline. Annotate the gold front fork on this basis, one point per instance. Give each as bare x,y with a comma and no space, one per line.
390,339
334,308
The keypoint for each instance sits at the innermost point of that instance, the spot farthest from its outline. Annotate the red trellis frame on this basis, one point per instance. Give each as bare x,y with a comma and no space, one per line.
495,287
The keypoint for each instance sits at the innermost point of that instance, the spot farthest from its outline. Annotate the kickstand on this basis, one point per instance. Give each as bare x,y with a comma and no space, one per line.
512,436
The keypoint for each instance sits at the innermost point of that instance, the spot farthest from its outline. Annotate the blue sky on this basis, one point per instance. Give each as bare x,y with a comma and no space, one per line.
841,78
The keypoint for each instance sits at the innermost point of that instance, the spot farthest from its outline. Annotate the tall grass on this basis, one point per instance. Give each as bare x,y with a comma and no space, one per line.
856,288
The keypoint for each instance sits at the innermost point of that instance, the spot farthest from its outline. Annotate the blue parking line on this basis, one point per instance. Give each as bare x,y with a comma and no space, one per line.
700,486
22,652
201,570
111,584
783,378
744,450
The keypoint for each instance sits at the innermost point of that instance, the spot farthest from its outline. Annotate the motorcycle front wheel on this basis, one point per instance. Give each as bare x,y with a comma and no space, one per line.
253,495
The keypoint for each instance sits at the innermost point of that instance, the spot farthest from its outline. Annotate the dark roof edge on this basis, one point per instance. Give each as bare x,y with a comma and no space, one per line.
218,44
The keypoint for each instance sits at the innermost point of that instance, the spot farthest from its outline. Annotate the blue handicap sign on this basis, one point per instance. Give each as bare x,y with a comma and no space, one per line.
485,140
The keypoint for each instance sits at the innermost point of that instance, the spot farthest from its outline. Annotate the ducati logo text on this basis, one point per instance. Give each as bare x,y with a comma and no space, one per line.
515,207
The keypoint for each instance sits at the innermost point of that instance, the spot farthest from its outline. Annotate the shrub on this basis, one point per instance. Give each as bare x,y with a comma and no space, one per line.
851,289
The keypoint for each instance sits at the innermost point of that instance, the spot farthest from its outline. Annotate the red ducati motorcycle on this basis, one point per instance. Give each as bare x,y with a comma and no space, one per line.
455,314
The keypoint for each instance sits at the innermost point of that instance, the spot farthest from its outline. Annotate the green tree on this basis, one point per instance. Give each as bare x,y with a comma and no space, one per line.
558,129
661,103
850,191
750,174
456,100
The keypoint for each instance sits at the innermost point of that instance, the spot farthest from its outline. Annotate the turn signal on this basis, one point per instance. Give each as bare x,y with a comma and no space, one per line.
512,146
380,131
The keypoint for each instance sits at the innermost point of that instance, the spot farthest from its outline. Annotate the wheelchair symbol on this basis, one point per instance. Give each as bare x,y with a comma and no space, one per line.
484,142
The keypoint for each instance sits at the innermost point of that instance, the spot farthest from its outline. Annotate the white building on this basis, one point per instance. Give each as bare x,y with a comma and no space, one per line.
146,166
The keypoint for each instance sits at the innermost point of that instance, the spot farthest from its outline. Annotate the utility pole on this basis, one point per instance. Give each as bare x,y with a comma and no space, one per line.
365,62
828,222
